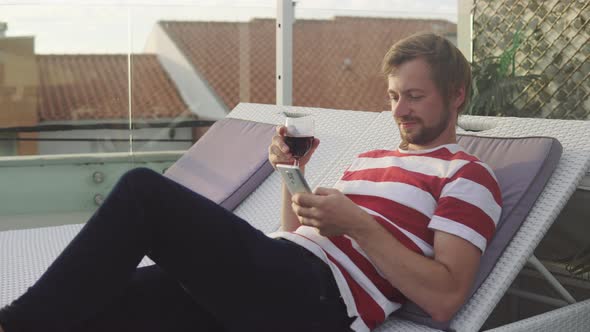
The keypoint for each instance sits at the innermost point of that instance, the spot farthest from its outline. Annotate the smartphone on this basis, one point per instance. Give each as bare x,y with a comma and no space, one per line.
293,179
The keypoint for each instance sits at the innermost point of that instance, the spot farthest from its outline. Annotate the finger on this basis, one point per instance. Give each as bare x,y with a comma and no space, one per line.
316,143
280,153
281,130
305,199
274,150
275,155
309,222
325,191
304,212
280,142
297,210
314,146
284,159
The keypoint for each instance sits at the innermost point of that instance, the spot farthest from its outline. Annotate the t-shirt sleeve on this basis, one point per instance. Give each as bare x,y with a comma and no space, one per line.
469,205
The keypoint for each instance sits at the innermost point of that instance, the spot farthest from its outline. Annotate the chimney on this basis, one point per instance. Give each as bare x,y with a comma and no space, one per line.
3,28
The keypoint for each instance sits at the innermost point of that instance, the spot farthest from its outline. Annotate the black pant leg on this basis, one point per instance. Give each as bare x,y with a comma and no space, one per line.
96,265
247,281
151,302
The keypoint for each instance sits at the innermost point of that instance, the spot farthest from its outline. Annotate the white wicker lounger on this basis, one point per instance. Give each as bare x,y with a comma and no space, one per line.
382,133
574,317
574,137
25,254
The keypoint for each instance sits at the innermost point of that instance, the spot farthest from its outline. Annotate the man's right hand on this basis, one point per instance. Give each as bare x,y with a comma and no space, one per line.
278,151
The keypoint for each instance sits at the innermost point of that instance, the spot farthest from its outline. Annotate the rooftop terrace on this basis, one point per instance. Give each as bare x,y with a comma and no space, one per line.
148,80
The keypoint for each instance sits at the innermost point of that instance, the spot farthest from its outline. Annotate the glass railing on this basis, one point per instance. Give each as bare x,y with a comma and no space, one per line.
337,54
62,189
91,89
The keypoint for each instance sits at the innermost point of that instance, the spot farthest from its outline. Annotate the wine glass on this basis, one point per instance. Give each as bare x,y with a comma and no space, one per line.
300,134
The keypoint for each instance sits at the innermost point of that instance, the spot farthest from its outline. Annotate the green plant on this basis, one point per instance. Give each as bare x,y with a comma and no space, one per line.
495,83
579,264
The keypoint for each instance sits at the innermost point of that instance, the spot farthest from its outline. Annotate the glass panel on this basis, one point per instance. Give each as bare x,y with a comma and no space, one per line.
7,144
64,93
196,63
338,52
105,87
62,83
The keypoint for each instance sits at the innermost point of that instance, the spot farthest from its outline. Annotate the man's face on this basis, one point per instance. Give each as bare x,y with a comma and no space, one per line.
423,117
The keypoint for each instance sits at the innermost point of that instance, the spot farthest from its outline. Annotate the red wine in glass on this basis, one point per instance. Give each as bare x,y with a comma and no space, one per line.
300,133
299,145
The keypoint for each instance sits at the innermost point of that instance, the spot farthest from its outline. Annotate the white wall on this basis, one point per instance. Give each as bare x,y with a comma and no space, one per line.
195,91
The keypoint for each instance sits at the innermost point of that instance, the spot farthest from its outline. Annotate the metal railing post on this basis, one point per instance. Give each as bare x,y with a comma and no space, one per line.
465,28
534,261
284,71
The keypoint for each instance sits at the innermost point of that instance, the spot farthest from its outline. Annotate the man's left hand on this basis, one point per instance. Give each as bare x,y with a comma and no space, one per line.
330,211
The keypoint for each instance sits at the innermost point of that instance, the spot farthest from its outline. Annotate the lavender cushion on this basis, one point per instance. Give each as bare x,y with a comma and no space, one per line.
523,167
227,163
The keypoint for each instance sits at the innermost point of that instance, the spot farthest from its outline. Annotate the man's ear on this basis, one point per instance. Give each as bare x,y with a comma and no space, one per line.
459,98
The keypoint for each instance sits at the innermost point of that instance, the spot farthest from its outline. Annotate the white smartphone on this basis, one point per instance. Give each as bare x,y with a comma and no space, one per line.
293,179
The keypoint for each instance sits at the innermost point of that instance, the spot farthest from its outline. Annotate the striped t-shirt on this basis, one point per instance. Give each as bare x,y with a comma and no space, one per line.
411,194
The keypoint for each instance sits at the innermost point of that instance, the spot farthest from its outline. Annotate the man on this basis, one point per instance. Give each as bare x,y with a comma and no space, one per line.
413,221
406,223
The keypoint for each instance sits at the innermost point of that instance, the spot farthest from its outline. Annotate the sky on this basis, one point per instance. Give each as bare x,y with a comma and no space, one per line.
121,26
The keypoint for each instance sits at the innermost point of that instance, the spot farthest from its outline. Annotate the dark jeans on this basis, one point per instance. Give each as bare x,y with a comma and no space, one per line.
214,272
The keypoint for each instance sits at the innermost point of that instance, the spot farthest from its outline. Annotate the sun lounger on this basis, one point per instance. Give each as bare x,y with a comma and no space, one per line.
25,254
574,317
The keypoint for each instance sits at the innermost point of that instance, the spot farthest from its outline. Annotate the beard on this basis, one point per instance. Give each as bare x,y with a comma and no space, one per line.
421,134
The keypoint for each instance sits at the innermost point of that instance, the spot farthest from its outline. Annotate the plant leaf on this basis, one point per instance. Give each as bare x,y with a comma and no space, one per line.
498,96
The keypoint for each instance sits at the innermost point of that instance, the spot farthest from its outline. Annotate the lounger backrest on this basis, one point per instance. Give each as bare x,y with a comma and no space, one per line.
337,130
227,163
522,166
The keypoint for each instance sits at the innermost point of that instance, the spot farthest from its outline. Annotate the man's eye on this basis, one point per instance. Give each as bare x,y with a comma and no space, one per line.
393,98
416,97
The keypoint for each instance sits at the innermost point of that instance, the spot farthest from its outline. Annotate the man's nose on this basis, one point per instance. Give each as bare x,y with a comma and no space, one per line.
400,108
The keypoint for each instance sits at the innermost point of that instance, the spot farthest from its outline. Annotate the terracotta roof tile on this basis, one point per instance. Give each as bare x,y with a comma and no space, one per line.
336,62
92,87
